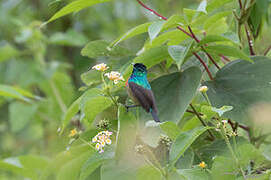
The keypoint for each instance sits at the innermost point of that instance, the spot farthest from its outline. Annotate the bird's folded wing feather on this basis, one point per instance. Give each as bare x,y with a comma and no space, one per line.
144,96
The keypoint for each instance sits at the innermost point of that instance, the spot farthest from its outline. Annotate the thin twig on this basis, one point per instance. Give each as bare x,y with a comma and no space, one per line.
180,28
250,42
240,4
267,50
205,66
197,40
202,122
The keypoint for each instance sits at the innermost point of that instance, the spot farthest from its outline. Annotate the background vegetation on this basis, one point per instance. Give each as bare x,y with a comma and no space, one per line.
52,103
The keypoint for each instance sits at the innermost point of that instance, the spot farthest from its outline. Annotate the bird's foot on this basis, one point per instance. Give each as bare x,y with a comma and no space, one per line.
130,106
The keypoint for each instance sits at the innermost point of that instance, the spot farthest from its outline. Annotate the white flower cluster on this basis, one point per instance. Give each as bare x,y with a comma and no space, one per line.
114,76
100,67
102,138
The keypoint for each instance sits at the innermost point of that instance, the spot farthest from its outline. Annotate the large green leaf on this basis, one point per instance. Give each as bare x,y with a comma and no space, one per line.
93,163
241,84
150,58
174,37
178,53
72,169
213,38
195,173
75,6
70,113
148,173
227,51
13,165
183,142
124,170
20,115
155,28
224,168
99,48
95,105
91,77
126,137
13,92
174,92
211,20
142,28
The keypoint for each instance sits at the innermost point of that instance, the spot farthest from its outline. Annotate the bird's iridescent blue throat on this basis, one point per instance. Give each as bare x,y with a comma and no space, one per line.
139,76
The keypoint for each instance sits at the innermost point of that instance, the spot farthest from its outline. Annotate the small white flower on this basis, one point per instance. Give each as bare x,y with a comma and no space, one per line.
100,67
114,76
203,89
108,141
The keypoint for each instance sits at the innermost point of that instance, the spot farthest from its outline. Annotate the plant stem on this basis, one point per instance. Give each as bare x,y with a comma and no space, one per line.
267,50
202,122
58,97
250,42
87,143
224,135
205,66
178,27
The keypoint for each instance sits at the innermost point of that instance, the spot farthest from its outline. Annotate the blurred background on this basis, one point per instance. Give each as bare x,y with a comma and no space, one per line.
47,62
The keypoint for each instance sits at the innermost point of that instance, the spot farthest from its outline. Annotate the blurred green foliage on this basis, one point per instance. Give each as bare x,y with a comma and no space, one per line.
47,88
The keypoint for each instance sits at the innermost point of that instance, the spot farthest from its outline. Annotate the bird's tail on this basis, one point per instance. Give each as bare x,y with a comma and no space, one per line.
155,116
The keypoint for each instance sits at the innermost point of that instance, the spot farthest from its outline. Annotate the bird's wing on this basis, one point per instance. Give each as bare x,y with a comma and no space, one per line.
144,96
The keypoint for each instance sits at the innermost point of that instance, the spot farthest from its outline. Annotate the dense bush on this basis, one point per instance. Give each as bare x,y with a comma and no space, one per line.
63,112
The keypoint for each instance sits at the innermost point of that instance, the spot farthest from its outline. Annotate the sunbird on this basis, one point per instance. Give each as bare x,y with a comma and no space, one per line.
139,90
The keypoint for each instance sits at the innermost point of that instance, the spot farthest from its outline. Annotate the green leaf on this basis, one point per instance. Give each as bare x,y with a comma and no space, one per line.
183,142
171,129
174,92
227,51
213,38
148,173
34,162
195,173
93,163
70,113
202,6
178,53
154,29
7,52
222,110
71,170
126,137
211,20
13,165
124,170
174,37
92,77
75,6
150,58
70,38
224,168
9,91
20,114
215,4
95,105
173,21
95,49
242,85
131,33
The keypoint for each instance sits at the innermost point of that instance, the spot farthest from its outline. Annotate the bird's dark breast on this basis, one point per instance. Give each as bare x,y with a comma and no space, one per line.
141,96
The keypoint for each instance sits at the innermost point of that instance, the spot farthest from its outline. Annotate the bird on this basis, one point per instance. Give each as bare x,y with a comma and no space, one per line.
139,90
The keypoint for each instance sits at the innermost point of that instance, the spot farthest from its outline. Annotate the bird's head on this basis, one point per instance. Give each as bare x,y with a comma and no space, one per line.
139,69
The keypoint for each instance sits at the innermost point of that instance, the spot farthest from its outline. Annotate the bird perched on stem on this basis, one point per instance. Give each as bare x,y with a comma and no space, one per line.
140,91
